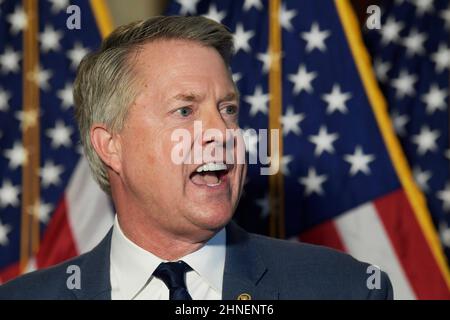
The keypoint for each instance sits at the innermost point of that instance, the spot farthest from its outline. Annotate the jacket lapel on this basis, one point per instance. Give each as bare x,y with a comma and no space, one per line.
244,268
95,272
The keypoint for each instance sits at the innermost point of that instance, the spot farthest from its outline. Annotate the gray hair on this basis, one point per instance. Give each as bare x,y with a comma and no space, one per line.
105,84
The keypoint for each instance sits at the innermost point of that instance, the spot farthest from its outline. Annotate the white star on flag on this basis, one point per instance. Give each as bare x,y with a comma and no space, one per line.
444,195
41,210
248,4
241,38
4,230
336,100
9,61
9,194
399,121
435,99
414,43
421,178
17,155
66,96
441,58
45,209
445,15
390,31
50,174
41,77
28,118
265,58
313,182
60,135
188,6
359,161
286,16
426,140
381,69
302,80
315,38
18,20
404,84
258,101
76,54
59,5
423,6
447,154
291,121
4,99
444,232
236,77
50,39
323,141
285,160
214,14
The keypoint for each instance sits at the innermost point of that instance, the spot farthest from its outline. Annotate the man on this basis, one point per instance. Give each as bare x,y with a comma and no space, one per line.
172,237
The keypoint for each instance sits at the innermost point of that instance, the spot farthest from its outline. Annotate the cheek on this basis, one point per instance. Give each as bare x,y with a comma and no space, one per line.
159,156
139,153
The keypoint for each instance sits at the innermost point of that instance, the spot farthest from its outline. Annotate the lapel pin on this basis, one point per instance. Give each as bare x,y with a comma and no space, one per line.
244,296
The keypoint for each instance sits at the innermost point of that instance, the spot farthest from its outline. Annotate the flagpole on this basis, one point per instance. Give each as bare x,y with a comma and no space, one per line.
276,181
30,138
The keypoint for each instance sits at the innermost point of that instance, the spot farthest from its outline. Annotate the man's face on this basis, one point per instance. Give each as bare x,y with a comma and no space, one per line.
180,82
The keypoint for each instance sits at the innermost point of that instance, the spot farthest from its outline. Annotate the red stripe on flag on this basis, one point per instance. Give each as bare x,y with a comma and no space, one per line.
58,243
9,272
411,247
324,234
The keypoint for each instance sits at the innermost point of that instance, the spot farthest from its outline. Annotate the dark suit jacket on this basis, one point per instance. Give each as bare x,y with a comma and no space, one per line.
262,267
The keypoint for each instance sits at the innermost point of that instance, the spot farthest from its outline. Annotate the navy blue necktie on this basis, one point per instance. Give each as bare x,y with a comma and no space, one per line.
172,274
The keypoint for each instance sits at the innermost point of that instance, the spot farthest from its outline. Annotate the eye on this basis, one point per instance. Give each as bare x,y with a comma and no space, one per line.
230,109
184,111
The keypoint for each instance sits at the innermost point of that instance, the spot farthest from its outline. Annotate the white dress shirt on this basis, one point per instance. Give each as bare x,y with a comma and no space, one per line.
132,268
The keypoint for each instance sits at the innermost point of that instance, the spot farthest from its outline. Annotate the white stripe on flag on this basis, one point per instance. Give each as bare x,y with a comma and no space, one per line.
89,211
365,238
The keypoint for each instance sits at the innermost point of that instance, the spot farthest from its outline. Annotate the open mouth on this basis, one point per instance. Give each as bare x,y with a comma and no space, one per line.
209,174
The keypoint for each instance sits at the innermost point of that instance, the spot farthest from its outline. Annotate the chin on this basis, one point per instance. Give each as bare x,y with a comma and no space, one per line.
213,218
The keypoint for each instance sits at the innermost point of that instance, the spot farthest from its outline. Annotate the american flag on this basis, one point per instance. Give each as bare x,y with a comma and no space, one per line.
345,178
411,58
72,214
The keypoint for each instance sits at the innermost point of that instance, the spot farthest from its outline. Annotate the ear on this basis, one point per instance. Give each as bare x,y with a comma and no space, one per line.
107,146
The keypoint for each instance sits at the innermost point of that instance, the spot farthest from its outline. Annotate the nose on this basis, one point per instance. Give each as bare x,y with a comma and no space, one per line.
214,127
213,137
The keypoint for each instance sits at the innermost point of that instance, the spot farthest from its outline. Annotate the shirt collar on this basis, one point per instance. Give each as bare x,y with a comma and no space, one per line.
133,266
209,260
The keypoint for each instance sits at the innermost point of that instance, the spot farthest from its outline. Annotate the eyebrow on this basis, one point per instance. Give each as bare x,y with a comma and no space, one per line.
192,97
187,97
230,97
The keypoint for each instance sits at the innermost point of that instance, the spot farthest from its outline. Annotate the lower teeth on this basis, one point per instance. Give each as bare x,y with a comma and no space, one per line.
213,184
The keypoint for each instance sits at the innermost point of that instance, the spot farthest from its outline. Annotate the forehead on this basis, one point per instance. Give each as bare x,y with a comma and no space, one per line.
173,54
173,65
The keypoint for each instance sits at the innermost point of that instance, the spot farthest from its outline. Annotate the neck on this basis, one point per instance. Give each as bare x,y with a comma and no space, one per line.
159,242
163,240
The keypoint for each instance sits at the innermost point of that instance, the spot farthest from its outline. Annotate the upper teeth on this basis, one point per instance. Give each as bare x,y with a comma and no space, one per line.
211,167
